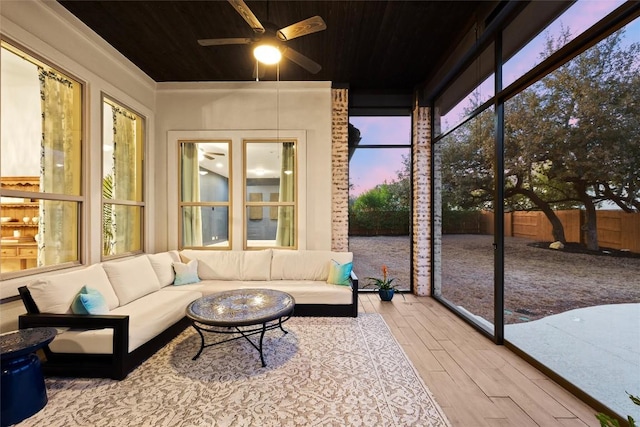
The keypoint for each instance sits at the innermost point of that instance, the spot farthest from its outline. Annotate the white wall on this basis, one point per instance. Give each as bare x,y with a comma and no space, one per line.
50,33
255,107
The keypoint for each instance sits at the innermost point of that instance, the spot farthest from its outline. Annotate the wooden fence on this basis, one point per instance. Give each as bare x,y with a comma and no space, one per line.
616,229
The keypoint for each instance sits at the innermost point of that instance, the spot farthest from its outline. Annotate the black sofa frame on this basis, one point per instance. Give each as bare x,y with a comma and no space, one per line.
116,365
121,362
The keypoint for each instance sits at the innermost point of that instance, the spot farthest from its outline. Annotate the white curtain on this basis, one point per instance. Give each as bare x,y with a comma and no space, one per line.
56,243
191,215
285,233
124,178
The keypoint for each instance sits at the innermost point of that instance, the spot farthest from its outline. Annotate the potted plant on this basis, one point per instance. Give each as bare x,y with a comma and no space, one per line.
386,288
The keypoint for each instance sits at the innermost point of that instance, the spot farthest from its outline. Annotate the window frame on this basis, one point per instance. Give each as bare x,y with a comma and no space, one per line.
605,26
106,99
246,204
228,204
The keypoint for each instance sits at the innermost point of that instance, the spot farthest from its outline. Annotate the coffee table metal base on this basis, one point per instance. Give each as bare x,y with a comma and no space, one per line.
245,332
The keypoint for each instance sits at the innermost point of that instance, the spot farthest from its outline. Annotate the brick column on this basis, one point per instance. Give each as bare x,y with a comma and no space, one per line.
436,187
340,170
421,150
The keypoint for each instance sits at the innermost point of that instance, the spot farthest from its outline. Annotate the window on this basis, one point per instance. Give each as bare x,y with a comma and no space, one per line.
380,195
463,165
122,180
40,163
214,169
571,176
270,194
550,164
205,201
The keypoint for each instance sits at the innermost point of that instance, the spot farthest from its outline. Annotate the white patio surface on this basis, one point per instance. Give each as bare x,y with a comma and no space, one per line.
596,348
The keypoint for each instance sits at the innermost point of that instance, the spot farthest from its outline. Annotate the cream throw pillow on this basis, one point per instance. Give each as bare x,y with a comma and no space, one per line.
132,279
55,293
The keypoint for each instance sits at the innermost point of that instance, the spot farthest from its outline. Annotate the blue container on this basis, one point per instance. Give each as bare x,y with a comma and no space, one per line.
386,294
22,387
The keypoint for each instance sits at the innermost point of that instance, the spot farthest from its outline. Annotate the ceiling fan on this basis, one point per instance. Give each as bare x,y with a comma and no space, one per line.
269,34
210,155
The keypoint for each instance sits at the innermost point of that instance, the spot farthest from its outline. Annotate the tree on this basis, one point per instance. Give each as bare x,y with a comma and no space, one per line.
571,140
526,179
382,197
467,165
400,188
590,140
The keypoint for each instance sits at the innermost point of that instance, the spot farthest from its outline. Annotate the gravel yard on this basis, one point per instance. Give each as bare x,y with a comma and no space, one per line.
538,281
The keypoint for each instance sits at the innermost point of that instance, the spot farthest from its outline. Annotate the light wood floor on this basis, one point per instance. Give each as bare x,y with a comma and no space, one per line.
476,382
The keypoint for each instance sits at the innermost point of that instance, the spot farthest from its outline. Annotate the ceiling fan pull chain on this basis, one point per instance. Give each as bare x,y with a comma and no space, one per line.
278,102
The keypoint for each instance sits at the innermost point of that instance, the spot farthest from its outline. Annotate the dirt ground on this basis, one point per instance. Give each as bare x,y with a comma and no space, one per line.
538,281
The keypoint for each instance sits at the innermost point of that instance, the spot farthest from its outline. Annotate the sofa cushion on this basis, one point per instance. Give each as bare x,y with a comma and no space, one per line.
55,293
186,273
132,279
148,317
305,265
230,265
303,291
162,264
256,265
89,301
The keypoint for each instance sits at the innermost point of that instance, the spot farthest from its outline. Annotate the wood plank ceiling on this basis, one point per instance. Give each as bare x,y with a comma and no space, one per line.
370,45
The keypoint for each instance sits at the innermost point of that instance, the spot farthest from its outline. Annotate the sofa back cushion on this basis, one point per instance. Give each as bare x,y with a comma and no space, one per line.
162,264
132,279
305,265
256,265
230,265
54,294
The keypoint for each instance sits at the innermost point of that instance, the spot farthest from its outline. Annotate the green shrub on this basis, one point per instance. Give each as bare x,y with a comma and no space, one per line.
609,421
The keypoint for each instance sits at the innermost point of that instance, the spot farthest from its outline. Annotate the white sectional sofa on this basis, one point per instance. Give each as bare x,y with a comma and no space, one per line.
146,309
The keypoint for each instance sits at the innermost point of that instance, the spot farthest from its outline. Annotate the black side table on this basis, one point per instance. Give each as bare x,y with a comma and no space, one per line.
22,383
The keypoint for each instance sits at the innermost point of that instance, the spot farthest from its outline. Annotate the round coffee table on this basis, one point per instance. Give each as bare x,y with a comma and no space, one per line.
241,311
23,389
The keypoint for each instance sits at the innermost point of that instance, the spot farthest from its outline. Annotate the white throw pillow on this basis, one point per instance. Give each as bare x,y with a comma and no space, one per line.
162,264
132,279
55,293
186,273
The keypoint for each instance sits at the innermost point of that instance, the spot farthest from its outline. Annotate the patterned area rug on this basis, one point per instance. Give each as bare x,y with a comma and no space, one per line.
324,372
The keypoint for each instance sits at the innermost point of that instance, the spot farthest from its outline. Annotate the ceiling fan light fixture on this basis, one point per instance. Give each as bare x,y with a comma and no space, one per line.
267,54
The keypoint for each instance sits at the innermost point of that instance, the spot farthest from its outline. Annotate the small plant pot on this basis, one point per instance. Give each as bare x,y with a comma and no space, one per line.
386,294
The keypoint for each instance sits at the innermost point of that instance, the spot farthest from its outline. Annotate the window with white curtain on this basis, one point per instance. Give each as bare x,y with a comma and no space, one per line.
270,189
122,180
204,203
41,164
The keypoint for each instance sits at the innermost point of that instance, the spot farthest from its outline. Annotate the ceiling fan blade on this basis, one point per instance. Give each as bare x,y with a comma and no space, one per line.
221,42
302,28
244,11
306,63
